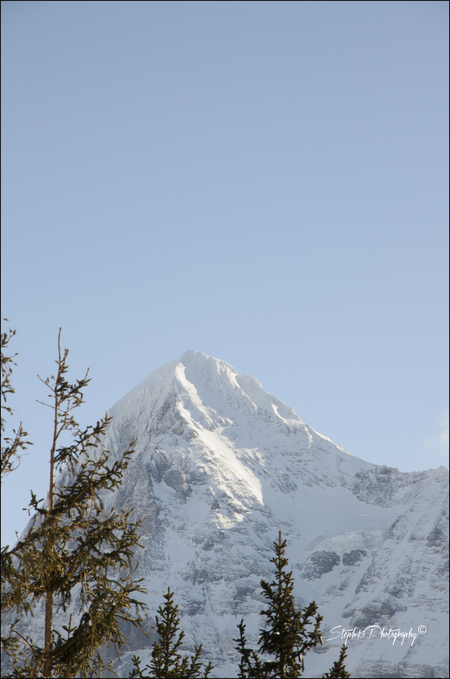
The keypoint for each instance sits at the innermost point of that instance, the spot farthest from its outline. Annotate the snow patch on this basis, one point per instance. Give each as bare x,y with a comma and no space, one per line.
367,540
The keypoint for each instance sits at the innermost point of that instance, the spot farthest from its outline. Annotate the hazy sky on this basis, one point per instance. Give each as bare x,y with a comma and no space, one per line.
266,182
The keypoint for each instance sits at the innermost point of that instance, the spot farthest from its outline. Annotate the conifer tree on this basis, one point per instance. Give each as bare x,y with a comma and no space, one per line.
289,634
287,637
338,670
166,661
247,668
74,556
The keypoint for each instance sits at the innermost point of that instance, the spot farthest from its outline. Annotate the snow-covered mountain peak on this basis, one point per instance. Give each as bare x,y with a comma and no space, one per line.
192,368
221,465
209,384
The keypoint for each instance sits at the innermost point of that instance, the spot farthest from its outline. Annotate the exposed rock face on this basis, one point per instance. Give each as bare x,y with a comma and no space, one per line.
319,563
175,478
221,466
353,557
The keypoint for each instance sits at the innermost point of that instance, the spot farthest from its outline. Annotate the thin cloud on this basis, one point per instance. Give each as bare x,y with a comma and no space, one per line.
437,446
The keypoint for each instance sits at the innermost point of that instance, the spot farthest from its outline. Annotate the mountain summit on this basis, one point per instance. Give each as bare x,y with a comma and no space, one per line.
220,467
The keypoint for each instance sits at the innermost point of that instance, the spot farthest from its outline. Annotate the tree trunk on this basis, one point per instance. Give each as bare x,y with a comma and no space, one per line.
48,670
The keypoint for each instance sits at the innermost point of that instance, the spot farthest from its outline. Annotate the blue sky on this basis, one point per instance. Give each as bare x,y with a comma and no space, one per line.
266,182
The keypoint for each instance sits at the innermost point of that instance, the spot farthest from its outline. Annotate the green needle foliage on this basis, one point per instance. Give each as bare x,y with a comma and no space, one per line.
74,557
166,661
338,670
10,457
289,634
247,668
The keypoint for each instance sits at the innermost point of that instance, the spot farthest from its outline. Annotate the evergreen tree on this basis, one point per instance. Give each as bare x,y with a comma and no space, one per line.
289,634
246,667
338,670
75,557
166,661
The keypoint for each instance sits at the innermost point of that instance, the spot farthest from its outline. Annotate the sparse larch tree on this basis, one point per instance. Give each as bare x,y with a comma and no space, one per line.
74,556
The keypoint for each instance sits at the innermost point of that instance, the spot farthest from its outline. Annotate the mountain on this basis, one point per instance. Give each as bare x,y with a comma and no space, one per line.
220,467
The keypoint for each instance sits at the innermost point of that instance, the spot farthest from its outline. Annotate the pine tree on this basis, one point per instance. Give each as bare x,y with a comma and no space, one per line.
287,637
246,667
166,661
338,670
289,634
75,557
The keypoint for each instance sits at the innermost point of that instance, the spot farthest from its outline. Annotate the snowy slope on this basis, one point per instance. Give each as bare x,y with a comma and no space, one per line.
221,466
